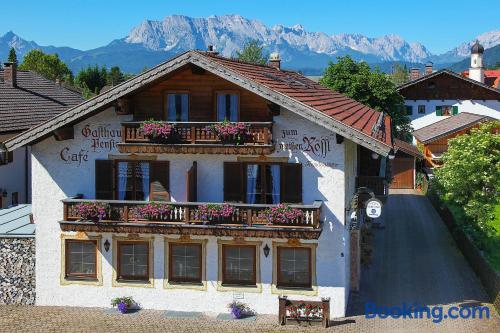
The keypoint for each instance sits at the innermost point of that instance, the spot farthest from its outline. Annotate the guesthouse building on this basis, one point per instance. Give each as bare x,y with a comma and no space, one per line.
201,181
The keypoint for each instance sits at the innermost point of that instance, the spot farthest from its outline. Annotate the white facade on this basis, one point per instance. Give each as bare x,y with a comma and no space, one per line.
66,168
476,71
489,108
15,177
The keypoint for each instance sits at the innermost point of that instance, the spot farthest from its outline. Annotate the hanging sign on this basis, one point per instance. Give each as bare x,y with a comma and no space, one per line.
373,208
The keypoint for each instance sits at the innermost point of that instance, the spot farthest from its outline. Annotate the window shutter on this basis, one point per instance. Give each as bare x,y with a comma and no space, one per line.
191,183
159,179
104,179
439,110
455,110
234,181
291,182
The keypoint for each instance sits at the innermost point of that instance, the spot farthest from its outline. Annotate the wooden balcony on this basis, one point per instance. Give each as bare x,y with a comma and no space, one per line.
377,184
195,138
247,220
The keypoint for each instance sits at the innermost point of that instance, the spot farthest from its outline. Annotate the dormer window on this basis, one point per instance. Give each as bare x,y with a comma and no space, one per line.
228,104
178,106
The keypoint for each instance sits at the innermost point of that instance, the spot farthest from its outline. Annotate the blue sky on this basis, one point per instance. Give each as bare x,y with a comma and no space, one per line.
440,25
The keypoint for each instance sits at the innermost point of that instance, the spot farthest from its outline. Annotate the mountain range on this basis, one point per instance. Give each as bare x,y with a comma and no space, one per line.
152,42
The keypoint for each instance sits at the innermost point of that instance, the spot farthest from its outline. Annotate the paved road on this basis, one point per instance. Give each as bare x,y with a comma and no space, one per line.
415,261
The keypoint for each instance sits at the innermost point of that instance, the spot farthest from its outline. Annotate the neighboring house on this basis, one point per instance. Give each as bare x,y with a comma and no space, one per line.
302,149
26,99
437,95
403,167
434,138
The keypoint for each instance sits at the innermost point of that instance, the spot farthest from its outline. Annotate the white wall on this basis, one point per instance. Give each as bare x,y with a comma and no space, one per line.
13,176
489,108
56,177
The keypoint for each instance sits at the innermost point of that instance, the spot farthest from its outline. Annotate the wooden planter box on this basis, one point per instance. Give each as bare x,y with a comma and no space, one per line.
286,319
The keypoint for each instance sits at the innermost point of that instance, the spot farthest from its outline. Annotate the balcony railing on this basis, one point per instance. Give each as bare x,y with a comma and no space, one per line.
248,218
195,137
377,184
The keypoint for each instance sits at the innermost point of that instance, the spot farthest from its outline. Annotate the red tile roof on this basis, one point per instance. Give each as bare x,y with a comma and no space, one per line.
491,77
312,94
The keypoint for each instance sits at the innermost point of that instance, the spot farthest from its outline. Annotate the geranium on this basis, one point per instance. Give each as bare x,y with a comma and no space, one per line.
209,212
282,214
237,133
155,130
152,211
95,211
304,311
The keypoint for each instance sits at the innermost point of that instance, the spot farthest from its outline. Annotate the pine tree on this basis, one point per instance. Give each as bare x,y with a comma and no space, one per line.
12,55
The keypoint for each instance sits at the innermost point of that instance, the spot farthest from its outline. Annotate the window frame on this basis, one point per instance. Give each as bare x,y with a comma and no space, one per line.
216,103
447,107
170,246
240,283
408,110
263,179
116,180
419,107
123,278
82,276
280,284
165,103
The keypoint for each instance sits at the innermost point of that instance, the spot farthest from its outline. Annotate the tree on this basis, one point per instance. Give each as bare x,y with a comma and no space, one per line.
92,79
114,76
372,88
399,74
470,175
12,55
47,65
252,52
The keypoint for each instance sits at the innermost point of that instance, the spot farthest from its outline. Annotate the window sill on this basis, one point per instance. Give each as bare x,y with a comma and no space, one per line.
256,288
280,290
185,285
134,283
69,280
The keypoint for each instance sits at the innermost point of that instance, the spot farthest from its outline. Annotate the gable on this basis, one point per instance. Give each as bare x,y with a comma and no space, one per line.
445,85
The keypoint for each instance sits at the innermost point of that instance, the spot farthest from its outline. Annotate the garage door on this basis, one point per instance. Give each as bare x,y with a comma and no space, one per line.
402,172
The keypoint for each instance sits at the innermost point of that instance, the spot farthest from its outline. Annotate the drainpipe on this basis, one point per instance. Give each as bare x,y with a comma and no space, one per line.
26,174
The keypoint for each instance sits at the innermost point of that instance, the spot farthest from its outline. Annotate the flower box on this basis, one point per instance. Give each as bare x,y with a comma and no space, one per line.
214,213
159,131
231,133
300,312
92,211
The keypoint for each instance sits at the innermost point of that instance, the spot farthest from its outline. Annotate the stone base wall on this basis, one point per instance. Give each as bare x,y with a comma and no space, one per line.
17,270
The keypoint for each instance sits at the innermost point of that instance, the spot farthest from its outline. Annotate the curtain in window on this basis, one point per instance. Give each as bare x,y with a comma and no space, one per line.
145,179
178,107
275,179
123,173
252,174
227,107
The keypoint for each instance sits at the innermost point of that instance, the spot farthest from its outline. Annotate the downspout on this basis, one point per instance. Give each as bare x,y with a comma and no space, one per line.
26,174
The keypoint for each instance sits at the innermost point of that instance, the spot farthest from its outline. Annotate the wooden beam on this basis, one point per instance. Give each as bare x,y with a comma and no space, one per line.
64,133
123,106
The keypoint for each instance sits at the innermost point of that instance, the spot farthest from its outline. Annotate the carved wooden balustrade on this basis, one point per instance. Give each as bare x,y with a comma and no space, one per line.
247,220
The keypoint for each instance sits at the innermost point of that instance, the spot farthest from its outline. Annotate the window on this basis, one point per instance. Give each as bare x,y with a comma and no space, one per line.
133,260
265,183
227,106
132,180
446,110
238,264
81,259
178,106
409,110
15,198
185,263
421,109
294,267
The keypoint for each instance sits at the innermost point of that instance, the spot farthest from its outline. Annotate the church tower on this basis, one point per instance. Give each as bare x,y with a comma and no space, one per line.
476,71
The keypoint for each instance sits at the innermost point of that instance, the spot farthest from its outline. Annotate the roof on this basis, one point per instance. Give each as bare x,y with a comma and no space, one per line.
477,48
448,126
287,89
33,100
407,148
491,77
492,90
16,222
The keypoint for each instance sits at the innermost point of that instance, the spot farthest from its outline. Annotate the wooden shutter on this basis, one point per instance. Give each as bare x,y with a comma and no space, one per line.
291,182
439,110
159,179
234,181
191,181
104,179
455,110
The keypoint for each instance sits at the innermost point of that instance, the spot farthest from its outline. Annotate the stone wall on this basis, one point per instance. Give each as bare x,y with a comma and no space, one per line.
17,270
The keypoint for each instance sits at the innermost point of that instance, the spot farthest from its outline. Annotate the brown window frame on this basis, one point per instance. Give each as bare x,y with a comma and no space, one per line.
173,279
263,179
224,281
176,92
279,282
79,276
120,277
216,102
116,180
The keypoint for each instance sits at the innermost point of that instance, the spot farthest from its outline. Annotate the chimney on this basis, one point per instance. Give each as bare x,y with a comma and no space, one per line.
428,68
211,50
274,60
10,73
414,73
